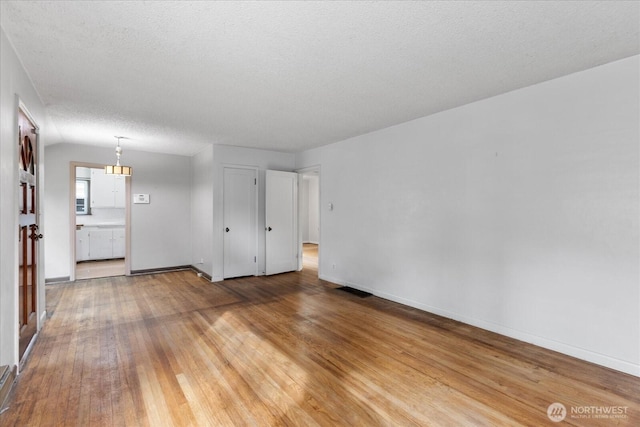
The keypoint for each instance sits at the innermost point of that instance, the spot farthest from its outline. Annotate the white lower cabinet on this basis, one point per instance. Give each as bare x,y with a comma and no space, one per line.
82,244
99,243
118,243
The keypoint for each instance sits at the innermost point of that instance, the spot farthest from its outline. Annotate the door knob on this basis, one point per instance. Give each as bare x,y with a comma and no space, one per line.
226,229
269,229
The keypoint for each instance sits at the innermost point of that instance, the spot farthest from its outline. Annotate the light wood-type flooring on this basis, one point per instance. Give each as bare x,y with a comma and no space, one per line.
310,256
173,349
103,268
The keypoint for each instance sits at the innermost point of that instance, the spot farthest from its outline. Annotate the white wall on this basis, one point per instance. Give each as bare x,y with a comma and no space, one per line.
235,156
160,231
14,82
518,214
202,210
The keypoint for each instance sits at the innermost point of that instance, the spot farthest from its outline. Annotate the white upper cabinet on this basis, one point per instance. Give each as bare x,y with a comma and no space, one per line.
119,191
107,191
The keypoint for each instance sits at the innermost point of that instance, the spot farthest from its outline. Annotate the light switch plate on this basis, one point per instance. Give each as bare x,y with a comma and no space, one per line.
141,198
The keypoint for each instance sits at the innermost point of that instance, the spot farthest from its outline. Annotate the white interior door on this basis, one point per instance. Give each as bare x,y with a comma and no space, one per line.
281,222
240,227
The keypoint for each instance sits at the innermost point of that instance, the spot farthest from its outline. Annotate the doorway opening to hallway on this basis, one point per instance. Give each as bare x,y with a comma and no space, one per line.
310,217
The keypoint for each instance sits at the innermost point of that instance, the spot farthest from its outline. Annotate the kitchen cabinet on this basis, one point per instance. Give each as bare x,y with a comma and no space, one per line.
118,243
82,245
107,191
119,192
101,244
94,243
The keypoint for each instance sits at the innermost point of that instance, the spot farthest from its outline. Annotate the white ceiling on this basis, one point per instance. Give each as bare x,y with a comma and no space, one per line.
176,75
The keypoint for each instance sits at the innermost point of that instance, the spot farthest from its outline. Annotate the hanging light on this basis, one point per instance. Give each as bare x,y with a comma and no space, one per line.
117,169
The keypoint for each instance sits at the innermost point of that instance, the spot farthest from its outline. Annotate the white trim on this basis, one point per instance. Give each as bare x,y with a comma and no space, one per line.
15,358
307,169
27,352
25,110
299,215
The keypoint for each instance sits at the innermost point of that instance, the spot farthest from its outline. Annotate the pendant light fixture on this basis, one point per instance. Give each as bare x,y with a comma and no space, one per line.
117,169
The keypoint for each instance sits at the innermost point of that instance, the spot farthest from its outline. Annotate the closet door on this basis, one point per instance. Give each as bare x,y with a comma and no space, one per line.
240,222
281,222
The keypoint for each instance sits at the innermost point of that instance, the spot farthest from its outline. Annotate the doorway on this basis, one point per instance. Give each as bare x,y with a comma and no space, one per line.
99,219
310,217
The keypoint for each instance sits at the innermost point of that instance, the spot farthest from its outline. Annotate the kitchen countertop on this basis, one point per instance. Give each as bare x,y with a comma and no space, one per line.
102,225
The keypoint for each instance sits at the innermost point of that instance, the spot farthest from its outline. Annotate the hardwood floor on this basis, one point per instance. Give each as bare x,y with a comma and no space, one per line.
174,349
310,256
103,268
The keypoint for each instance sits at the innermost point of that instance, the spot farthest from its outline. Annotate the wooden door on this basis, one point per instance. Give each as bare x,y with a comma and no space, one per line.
29,234
281,222
240,227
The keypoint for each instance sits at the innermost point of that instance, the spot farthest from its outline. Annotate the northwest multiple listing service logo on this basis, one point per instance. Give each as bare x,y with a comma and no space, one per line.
558,412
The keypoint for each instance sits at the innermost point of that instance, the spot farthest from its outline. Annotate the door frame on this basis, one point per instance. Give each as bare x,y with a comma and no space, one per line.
315,170
72,218
255,216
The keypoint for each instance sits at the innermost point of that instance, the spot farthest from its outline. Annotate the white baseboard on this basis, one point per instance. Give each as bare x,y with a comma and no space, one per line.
580,353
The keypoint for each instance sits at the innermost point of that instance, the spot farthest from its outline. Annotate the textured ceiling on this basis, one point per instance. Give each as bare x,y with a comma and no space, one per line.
288,76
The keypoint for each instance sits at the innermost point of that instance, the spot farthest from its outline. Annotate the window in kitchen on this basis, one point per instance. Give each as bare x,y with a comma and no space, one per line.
82,197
